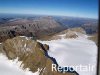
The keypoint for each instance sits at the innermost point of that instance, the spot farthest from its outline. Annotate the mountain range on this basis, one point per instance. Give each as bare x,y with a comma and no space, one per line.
38,41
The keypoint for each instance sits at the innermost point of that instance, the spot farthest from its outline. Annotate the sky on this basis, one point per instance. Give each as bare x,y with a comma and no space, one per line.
76,8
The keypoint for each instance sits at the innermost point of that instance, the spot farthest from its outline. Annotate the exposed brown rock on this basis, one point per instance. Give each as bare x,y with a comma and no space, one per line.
31,53
69,33
26,27
46,47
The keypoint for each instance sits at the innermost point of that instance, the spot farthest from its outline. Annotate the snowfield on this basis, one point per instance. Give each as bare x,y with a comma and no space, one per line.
74,52
12,67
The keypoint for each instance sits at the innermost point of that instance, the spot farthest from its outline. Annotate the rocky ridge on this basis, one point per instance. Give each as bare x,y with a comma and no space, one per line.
26,27
69,33
31,53
73,33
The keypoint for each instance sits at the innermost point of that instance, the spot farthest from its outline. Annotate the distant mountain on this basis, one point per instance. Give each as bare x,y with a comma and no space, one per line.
37,27
73,33
40,26
90,28
90,25
75,21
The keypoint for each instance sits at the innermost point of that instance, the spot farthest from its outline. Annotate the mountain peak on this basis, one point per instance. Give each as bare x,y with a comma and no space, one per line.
33,55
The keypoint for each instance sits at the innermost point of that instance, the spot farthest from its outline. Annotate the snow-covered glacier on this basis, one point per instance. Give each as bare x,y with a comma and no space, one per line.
74,52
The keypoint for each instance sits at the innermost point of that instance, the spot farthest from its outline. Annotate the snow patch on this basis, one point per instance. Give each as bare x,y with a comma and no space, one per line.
25,45
12,67
27,38
22,36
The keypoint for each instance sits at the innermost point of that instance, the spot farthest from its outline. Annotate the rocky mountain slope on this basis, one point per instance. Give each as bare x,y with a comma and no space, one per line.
73,33
26,27
32,54
88,24
42,27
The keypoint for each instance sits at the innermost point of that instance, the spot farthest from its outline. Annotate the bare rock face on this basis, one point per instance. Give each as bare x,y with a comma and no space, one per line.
46,47
72,32
31,53
69,33
43,26
27,51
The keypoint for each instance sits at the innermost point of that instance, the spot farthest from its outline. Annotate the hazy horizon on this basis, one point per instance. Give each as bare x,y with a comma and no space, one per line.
2,15
74,8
